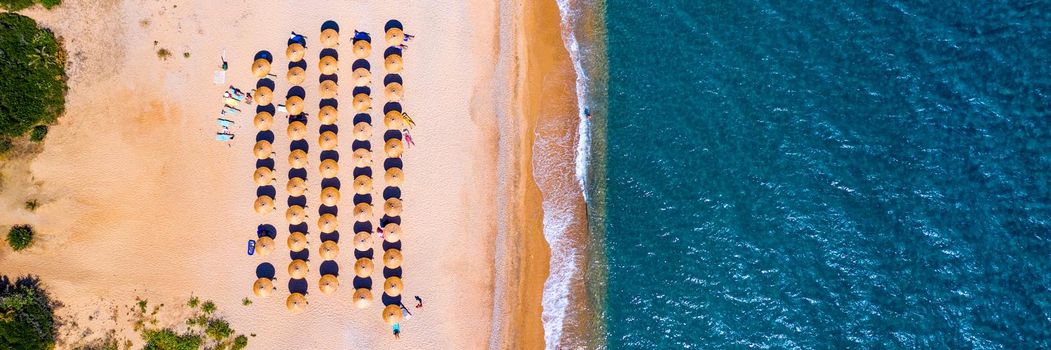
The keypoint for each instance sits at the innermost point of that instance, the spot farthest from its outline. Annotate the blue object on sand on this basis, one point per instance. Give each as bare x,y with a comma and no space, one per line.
224,122
251,247
223,137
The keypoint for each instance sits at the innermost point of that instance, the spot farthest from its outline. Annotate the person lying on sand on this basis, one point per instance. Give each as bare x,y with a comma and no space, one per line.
397,330
419,301
409,37
408,138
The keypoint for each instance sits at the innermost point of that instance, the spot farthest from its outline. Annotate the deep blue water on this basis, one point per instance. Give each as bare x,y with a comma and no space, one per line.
828,174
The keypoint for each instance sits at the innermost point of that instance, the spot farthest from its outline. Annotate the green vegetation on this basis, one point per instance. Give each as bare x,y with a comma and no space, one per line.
15,5
246,301
194,301
32,204
164,54
20,237
167,339
218,329
38,133
5,144
27,319
202,331
32,75
240,342
208,307
185,55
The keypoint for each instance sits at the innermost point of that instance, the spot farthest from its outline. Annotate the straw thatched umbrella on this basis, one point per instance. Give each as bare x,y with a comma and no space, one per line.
363,212
394,92
264,246
295,215
329,168
392,314
394,177
296,303
328,65
296,76
260,68
392,207
329,250
329,38
362,77
392,232
363,267
363,241
297,130
264,96
362,158
394,148
362,131
263,121
264,205
330,196
362,102
392,286
328,115
362,49
294,105
363,184
263,287
328,141
327,223
328,284
392,258
393,63
328,89
263,176
296,186
297,241
297,269
295,52
362,298
395,37
297,159
262,149
394,120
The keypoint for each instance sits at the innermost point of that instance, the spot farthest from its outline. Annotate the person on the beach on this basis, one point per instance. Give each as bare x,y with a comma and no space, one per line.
408,137
379,231
224,65
419,301
403,47
409,37
397,331
248,98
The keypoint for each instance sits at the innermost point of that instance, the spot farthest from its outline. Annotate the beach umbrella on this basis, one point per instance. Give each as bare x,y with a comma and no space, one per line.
363,267
362,76
296,303
263,176
329,168
363,241
392,207
394,177
392,286
393,63
296,76
260,68
362,102
362,49
297,131
295,215
392,314
297,159
263,121
329,38
264,96
328,89
395,37
328,141
329,250
394,92
394,148
392,258
264,205
362,131
328,65
297,241
328,284
394,120
295,52
263,287
362,158
294,105
330,196
327,223
362,298
392,232
363,212
327,115
363,184
296,186
264,246
297,269
262,149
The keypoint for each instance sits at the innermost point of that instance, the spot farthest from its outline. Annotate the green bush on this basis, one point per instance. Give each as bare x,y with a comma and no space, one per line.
15,5
5,144
38,133
27,319
32,74
208,307
218,329
167,339
20,237
240,342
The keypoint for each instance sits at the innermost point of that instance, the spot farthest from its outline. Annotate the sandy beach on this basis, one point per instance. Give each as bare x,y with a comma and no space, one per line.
139,200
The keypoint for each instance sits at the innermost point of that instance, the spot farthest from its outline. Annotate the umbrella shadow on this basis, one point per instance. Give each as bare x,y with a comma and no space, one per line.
300,227
362,198
266,230
328,127
302,118
300,173
391,300
361,63
362,226
361,90
391,24
333,155
266,108
329,268
265,163
360,282
296,91
327,52
334,236
333,77
330,182
297,200
265,270
363,118
268,191
265,135
388,272
392,78
390,220
300,255
298,286
302,64
391,50
324,209
395,245
266,55
392,163
265,82
329,102
391,192
330,24
391,134
299,145
391,106
358,254
361,144
367,171
300,41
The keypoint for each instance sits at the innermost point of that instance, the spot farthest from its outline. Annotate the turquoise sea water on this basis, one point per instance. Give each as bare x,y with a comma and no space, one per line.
827,174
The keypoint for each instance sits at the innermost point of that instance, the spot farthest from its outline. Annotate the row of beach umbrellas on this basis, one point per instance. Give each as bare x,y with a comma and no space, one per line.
394,176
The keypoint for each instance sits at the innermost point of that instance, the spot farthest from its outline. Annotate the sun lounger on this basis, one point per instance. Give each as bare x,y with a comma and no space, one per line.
226,123
223,137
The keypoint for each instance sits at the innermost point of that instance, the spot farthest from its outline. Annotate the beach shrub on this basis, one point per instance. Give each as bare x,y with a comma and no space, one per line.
246,301
27,319
193,302
167,339
20,237
38,133
164,54
240,342
32,75
5,144
15,5
218,329
208,307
